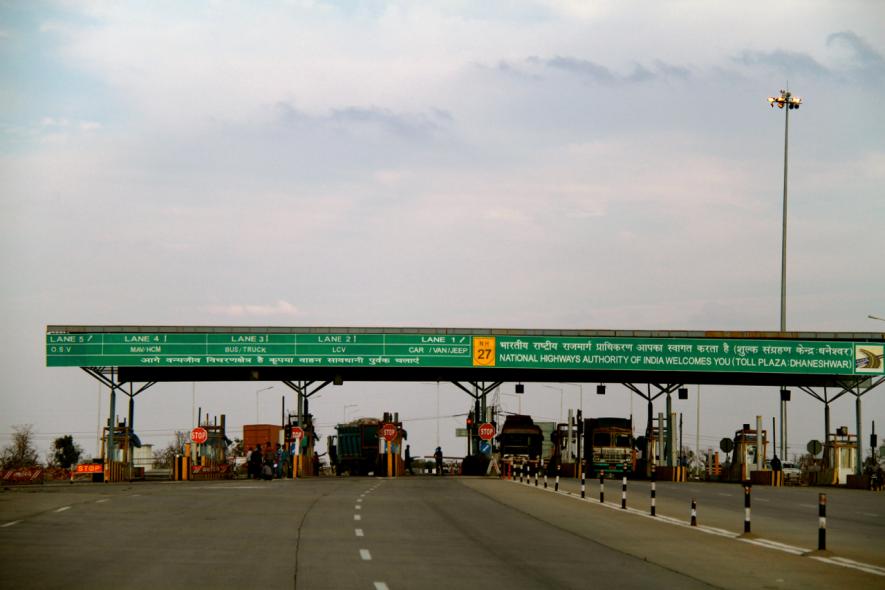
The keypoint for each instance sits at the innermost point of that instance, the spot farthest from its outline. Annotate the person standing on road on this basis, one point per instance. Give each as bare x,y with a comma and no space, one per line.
409,460
438,456
278,461
255,462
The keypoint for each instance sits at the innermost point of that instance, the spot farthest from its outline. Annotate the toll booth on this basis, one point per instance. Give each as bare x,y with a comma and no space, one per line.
304,455
209,458
118,464
712,467
561,440
652,457
655,458
396,446
748,445
838,461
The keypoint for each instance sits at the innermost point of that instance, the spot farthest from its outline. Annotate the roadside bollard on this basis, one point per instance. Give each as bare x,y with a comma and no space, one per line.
822,522
624,493
694,512
583,488
747,489
544,469
602,487
556,485
536,475
653,492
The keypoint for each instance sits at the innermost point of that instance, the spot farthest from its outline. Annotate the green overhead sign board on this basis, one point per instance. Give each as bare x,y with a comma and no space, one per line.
214,349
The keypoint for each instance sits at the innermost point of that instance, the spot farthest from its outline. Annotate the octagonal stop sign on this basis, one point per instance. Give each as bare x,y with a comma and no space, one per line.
487,431
199,435
388,431
297,432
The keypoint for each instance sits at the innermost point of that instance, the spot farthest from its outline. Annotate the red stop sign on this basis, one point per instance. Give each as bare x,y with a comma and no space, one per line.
487,431
388,431
297,432
199,435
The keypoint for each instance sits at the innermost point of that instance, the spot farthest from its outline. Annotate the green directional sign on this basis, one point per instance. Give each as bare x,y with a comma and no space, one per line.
218,349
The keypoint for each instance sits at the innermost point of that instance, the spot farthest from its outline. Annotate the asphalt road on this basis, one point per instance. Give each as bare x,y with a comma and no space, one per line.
417,532
855,518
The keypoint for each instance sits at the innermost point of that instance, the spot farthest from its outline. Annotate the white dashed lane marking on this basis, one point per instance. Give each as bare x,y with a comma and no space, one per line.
63,508
9,524
358,532
357,517
381,586
365,555
102,500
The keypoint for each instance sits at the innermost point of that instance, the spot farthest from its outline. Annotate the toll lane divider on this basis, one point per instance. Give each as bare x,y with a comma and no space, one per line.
766,543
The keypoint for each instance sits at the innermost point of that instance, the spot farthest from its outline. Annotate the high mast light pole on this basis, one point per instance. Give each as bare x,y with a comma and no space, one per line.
786,99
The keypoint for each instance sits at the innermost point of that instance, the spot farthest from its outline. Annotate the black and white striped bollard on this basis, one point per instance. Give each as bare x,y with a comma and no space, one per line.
624,492
747,489
544,469
694,512
536,475
583,487
653,492
822,522
556,485
602,487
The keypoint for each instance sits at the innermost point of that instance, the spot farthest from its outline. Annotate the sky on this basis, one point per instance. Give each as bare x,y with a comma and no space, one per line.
540,164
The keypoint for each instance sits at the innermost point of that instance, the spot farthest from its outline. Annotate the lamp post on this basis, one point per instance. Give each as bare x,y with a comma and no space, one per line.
256,400
786,99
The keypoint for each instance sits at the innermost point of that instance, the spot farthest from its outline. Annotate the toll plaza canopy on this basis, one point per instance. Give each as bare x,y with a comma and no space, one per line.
223,353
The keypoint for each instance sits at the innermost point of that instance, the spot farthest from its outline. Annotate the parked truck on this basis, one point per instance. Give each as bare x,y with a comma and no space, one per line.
354,449
359,449
520,439
610,446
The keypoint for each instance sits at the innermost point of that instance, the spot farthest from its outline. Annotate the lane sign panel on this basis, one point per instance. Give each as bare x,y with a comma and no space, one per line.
510,351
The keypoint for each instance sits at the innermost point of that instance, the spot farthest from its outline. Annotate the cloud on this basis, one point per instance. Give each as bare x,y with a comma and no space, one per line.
590,71
787,62
403,124
280,308
671,71
863,55
355,117
581,67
